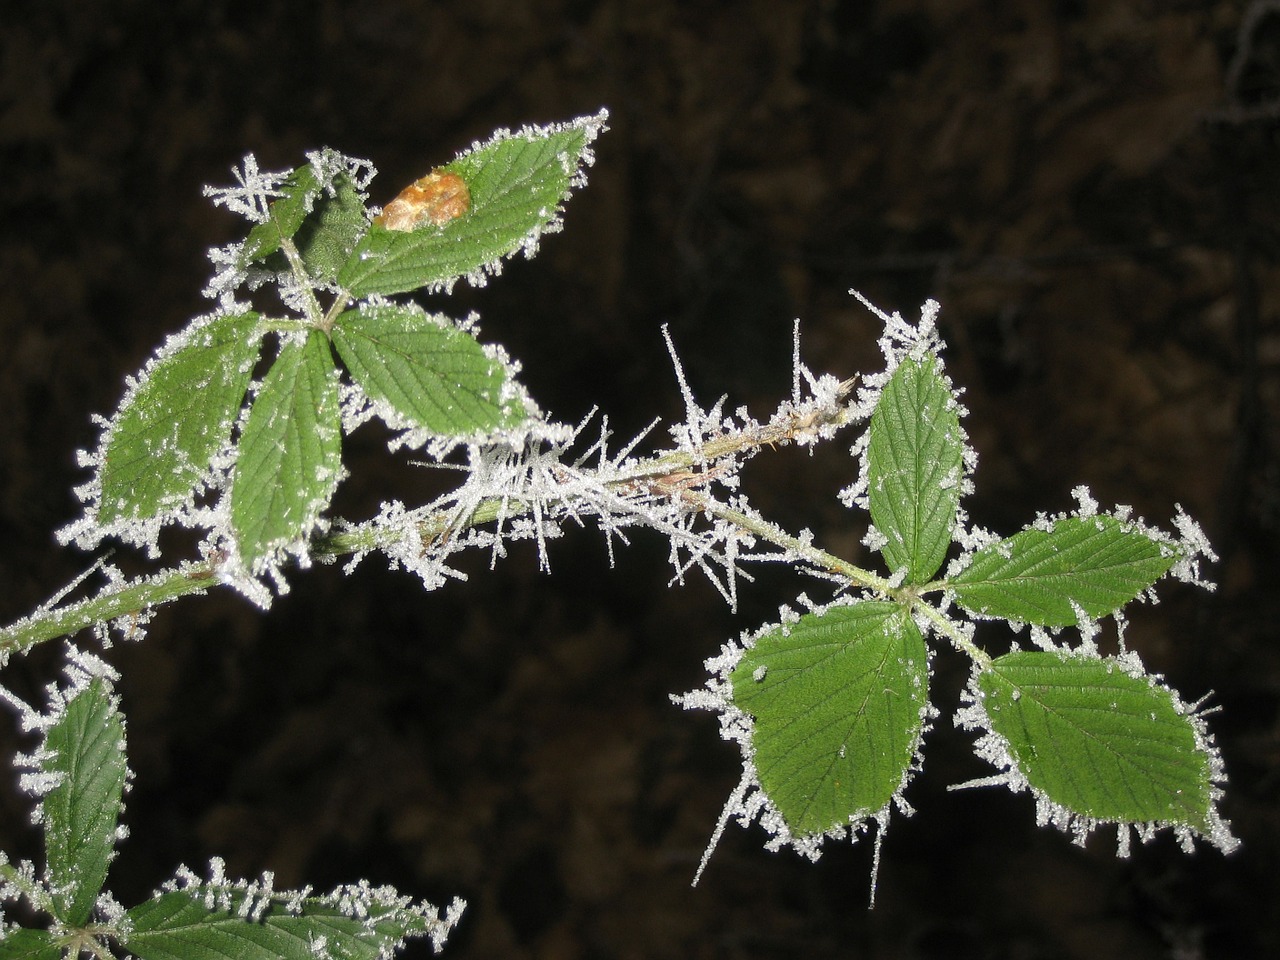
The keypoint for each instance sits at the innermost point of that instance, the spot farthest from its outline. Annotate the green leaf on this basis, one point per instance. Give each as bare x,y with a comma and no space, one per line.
838,701
86,749
213,924
329,233
175,420
25,944
517,183
430,373
1097,563
1098,741
286,215
324,216
290,453
915,465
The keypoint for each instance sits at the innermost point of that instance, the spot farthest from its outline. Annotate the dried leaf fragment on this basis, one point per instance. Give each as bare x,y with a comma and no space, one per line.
437,198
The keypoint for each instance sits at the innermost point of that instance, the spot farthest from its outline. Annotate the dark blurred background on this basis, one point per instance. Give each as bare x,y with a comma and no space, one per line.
1088,187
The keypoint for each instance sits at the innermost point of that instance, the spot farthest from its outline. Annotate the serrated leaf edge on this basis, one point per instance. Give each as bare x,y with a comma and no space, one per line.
591,125
87,532
996,750
749,802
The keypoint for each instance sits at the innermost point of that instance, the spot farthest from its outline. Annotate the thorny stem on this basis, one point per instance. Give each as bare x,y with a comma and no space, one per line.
776,535
668,474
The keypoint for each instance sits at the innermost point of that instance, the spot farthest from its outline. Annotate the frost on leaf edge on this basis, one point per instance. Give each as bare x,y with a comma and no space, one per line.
994,748
902,340
591,125
749,801
249,900
87,532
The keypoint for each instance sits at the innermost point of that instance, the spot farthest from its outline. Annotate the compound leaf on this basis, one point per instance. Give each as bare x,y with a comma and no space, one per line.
1098,741
429,372
290,452
85,750
1096,564
178,415
838,701
915,462
517,183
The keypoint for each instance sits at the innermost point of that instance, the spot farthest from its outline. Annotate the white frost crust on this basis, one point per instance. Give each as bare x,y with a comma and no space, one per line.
749,802
996,750
371,905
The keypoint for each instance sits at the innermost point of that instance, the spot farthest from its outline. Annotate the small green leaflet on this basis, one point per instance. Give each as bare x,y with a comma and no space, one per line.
177,418
915,462
518,183
328,234
323,222
290,453
838,701
210,923
287,214
431,373
1097,563
81,812
1098,741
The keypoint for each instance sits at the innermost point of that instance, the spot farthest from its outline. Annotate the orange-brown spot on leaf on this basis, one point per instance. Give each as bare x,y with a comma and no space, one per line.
437,198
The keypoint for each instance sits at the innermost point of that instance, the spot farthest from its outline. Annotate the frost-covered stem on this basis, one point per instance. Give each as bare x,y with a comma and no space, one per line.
134,597
776,535
949,630
117,600
305,283
23,882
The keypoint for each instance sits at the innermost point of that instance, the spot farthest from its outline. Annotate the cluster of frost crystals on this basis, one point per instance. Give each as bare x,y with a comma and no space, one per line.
379,909
996,750
530,484
748,802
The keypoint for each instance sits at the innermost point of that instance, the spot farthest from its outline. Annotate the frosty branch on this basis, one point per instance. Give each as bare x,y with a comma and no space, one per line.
235,428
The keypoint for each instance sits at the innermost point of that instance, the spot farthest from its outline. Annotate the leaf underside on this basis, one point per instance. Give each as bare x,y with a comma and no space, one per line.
837,700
